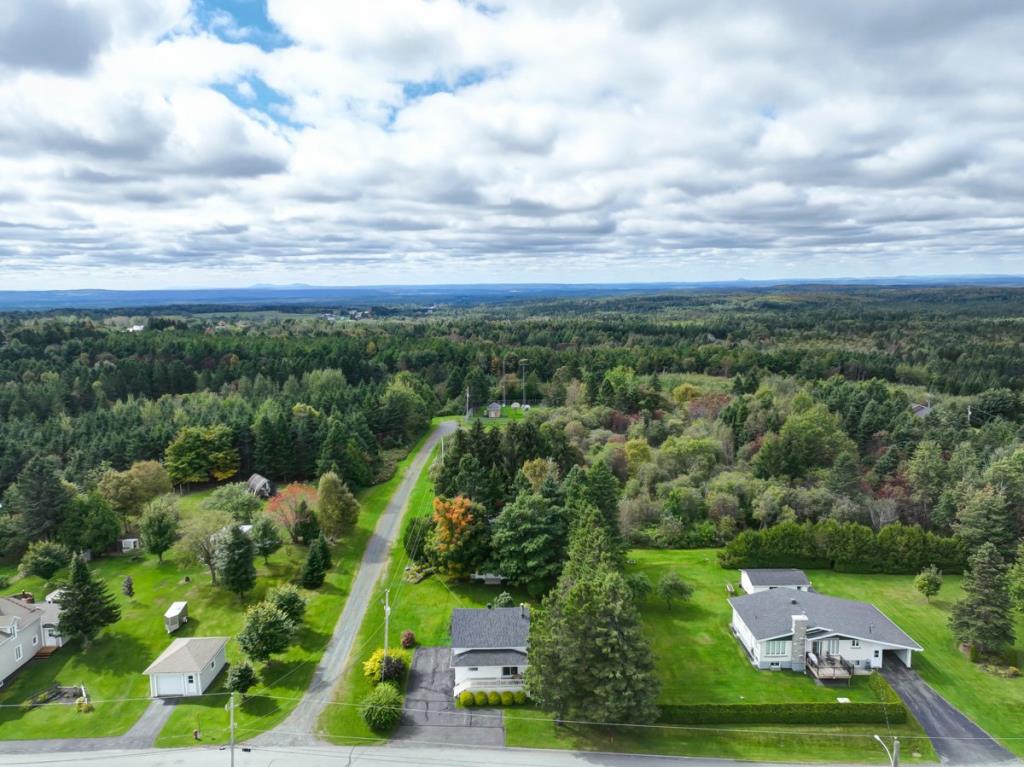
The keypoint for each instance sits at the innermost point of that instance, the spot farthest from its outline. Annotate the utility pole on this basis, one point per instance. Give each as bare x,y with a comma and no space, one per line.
522,366
387,619
503,401
467,402
968,415
231,715
894,754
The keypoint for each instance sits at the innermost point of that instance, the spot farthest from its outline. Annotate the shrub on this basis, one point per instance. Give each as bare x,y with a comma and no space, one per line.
507,698
519,697
466,699
480,698
4,581
408,639
44,558
373,668
382,708
392,668
83,706
493,699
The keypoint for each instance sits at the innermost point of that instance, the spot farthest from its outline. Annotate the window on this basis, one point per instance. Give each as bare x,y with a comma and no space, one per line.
509,670
876,653
35,641
17,653
473,668
854,643
775,647
191,679
833,646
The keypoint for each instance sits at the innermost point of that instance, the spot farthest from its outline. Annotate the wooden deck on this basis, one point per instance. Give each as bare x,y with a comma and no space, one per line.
831,668
44,653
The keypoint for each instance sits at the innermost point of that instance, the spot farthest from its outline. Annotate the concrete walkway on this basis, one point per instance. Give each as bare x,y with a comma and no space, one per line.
957,740
143,734
300,726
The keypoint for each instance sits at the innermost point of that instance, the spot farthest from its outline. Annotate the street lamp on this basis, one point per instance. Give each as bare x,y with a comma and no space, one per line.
894,755
522,366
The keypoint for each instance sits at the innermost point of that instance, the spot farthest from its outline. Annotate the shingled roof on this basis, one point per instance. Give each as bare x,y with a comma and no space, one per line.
777,577
187,655
494,628
769,615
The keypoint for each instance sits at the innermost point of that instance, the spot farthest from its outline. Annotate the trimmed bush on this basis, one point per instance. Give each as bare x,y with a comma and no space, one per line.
507,699
382,708
480,698
519,697
493,699
784,713
466,699
408,639
374,667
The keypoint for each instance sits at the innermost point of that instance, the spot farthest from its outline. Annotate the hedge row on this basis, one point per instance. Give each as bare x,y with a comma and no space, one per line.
469,699
847,547
784,713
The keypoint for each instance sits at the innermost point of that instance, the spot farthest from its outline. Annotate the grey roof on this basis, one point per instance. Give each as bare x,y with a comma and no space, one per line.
769,615
489,658
25,612
777,577
495,628
187,655
494,406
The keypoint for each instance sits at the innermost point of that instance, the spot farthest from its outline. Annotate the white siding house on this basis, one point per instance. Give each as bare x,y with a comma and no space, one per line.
489,648
187,667
753,581
829,637
26,628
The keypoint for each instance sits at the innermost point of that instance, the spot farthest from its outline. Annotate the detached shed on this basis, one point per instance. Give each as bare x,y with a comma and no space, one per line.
187,666
260,486
130,544
176,616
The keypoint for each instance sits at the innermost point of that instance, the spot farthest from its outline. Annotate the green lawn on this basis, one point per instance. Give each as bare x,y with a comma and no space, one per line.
111,668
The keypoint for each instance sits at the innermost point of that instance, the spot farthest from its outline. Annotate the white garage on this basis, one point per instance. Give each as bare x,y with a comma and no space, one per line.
187,667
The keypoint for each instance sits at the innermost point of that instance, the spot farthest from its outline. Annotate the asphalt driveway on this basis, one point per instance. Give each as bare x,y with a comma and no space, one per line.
430,711
957,740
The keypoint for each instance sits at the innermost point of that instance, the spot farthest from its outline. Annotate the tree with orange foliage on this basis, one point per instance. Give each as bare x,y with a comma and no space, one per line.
293,508
461,542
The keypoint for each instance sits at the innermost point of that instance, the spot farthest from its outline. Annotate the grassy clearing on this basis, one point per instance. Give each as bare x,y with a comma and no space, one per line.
111,668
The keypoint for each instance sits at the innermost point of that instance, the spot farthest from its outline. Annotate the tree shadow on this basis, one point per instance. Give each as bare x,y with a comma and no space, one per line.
287,674
311,640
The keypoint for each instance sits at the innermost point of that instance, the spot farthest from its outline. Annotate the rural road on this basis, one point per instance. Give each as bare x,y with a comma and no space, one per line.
300,726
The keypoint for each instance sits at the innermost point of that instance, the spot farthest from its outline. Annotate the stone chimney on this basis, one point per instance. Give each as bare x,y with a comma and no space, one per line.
798,653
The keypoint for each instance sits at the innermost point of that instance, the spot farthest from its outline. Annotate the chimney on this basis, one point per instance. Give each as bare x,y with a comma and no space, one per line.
798,653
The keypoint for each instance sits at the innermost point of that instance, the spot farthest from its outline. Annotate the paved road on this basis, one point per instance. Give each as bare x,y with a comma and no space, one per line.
943,722
143,734
300,726
383,756
430,712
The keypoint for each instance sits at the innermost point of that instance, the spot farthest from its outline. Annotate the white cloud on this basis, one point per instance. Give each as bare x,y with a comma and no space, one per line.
416,140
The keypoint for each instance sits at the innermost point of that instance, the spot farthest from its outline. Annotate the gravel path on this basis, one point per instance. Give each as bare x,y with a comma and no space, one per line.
300,726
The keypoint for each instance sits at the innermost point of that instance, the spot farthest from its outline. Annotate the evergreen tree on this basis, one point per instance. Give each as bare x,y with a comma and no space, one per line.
41,500
128,587
234,561
337,509
603,493
589,657
288,600
983,618
529,541
86,605
1015,580
317,564
591,546
265,537
986,517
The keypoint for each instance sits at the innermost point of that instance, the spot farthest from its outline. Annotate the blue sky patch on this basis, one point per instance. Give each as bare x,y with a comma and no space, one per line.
236,21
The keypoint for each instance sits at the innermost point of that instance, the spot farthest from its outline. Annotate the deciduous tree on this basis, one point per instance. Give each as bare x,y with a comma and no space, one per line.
337,509
158,527
267,631
529,541
265,537
460,543
929,581
199,538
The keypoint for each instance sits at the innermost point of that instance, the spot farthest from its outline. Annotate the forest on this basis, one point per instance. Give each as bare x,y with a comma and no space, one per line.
716,412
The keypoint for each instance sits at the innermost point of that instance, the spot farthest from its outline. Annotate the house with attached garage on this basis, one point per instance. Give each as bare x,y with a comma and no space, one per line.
489,648
753,581
187,667
27,629
826,637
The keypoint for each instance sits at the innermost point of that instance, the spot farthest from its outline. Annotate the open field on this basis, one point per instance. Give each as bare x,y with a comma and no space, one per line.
111,668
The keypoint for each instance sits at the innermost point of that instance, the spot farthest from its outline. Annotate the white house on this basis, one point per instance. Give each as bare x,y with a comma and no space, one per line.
187,667
753,581
25,630
828,637
489,648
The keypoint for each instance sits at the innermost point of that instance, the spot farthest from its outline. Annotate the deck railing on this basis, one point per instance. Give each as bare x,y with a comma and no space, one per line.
490,684
830,667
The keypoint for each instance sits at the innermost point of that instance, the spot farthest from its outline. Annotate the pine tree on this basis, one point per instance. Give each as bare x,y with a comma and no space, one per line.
41,499
86,605
234,558
984,618
337,509
317,564
128,587
986,517
603,493
529,541
265,537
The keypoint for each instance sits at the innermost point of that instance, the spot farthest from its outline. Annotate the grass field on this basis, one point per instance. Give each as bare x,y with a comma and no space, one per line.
111,668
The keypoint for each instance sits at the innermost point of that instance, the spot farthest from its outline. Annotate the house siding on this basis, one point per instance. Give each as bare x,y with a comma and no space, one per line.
9,662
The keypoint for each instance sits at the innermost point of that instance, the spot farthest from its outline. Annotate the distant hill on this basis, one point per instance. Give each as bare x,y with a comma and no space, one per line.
423,295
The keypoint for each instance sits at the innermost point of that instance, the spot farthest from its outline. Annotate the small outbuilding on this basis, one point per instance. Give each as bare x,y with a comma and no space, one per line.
53,598
176,616
187,667
494,410
260,486
757,580
130,544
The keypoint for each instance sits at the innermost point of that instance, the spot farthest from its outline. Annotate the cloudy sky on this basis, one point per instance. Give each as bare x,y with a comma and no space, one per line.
168,143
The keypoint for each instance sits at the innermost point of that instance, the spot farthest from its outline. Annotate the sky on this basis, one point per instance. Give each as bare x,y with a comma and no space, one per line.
224,143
